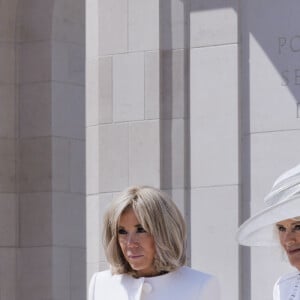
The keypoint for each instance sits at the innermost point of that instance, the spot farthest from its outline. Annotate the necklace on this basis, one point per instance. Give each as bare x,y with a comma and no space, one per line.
295,288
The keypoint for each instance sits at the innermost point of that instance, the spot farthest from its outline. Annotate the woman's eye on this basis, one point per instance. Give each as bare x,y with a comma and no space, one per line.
122,231
141,229
281,228
297,227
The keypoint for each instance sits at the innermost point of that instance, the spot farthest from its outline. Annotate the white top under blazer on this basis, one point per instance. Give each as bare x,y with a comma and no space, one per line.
183,284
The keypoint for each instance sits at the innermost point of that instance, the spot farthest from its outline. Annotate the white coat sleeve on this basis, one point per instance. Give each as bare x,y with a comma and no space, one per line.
276,292
91,291
211,290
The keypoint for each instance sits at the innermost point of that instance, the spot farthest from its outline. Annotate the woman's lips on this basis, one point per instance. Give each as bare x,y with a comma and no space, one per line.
293,251
134,256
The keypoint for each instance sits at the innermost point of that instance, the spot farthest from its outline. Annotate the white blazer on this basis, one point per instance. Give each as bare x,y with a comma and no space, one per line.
287,286
184,283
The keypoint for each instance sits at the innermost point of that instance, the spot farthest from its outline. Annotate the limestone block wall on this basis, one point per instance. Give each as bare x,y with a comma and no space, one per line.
123,141
151,91
136,104
270,91
198,98
215,141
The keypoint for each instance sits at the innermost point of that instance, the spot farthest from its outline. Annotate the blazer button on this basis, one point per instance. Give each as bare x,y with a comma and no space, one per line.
147,288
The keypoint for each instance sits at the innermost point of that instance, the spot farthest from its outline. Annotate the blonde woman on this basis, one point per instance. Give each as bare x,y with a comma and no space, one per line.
279,224
144,239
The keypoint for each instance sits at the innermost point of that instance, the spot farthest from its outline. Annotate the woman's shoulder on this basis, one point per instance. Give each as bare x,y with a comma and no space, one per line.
207,283
196,278
287,277
193,273
105,285
97,279
105,273
104,277
285,285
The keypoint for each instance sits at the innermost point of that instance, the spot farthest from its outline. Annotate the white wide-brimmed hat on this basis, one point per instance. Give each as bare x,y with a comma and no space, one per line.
283,202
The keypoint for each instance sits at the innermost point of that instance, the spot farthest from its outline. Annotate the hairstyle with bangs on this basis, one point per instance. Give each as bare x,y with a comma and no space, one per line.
159,216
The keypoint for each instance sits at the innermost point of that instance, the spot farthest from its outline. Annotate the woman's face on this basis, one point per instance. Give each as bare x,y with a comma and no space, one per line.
289,235
137,245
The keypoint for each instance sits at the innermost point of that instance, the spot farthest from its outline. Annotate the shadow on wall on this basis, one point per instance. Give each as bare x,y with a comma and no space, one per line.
269,70
174,100
276,32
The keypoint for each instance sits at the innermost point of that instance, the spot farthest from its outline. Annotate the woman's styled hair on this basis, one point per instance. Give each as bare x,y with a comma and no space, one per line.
159,216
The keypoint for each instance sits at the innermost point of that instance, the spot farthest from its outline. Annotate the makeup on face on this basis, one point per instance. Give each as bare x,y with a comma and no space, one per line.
289,236
137,245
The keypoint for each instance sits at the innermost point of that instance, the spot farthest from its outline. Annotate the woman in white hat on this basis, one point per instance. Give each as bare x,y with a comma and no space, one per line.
279,223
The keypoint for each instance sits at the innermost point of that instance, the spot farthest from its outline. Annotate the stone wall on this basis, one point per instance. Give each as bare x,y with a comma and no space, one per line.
270,93
198,98
8,148
151,93
42,150
194,97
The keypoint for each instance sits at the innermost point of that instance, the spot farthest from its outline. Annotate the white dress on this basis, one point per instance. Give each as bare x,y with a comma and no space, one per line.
182,284
287,287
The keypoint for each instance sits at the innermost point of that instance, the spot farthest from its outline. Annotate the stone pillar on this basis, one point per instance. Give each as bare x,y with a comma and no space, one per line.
51,261
8,147
214,114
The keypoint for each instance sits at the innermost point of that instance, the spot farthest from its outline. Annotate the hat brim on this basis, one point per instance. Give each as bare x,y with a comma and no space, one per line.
259,230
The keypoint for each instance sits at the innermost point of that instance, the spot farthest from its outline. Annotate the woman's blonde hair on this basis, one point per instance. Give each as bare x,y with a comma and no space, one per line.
159,216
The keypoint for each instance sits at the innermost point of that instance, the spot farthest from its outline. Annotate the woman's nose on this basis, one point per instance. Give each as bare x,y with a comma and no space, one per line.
289,238
132,239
